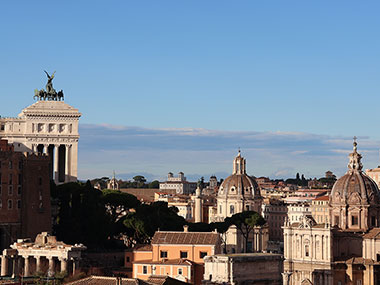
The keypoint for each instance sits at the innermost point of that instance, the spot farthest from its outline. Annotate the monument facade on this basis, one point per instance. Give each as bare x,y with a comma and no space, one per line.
49,126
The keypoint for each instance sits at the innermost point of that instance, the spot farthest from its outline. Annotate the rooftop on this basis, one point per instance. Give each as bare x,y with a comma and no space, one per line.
197,238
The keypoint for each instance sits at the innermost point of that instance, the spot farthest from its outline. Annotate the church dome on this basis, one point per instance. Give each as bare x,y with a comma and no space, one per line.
355,187
355,197
239,184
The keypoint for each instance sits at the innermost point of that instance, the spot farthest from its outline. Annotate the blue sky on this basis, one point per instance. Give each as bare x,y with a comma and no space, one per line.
268,67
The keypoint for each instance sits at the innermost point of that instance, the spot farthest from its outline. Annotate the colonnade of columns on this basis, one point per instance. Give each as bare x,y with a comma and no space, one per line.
56,159
14,265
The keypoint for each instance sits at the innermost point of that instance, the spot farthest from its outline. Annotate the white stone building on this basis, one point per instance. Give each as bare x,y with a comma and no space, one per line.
346,251
247,268
46,254
49,127
177,185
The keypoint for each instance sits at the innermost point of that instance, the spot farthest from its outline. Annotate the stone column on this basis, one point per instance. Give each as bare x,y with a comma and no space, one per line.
26,266
75,266
63,264
51,266
56,165
15,266
38,263
285,278
45,150
4,265
67,164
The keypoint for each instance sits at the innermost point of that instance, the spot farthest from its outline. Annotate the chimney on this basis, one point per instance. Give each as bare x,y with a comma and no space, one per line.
185,228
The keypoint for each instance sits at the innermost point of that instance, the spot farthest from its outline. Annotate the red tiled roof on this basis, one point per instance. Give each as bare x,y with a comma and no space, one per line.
205,238
322,198
103,280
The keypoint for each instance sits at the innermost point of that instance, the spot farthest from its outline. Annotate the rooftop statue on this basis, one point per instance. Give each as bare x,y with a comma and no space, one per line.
49,93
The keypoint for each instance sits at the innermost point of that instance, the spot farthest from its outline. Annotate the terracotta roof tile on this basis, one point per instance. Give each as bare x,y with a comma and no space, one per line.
374,233
206,238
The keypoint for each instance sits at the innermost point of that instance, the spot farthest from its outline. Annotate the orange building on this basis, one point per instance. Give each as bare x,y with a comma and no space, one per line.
175,254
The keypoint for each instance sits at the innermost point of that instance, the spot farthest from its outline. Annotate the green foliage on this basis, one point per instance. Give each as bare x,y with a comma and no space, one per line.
245,222
200,227
118,202
94,218
154,184
149,218
139,179
81,217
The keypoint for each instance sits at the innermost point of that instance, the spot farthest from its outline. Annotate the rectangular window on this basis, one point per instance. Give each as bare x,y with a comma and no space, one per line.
10,204
180,271
20,165
2,127
183,254
336,220
19,179
202,254
10,182
163,254
18,204
373,221
145,269
10,165
40,181
128,259
354,220
19,190
10,190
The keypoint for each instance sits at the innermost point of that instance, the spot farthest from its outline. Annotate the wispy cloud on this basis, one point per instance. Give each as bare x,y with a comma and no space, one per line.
130,150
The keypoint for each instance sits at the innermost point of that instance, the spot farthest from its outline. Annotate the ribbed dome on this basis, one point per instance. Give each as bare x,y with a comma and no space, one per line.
239,183
355,187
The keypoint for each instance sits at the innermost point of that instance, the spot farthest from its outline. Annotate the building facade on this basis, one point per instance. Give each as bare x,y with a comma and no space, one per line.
346,250
25,208
175,254
49,127
177,185
247,268
45,254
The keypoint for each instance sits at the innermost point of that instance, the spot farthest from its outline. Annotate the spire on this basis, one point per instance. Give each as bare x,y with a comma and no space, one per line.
355,158
239,164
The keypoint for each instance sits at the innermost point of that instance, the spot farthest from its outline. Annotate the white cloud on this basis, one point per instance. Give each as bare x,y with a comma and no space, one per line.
127,149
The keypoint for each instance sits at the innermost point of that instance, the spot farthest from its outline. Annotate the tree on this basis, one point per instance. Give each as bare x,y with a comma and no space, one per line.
147,219
139,179
118,203
200,227
245,222
154,184
222,228
82,217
